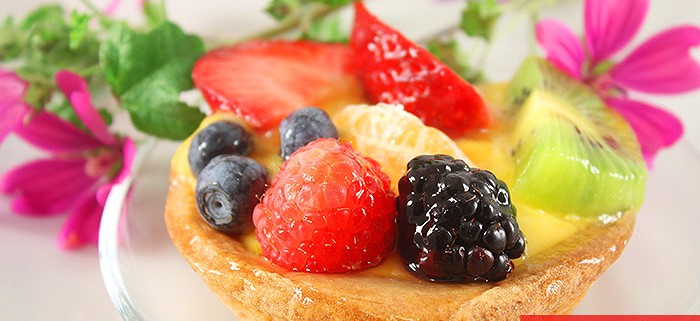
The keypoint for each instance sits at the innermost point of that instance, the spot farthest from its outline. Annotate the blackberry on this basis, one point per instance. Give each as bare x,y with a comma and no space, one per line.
302,127
228,189
456,223
219,138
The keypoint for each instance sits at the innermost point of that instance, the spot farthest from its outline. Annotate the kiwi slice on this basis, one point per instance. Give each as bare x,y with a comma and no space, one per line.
573,155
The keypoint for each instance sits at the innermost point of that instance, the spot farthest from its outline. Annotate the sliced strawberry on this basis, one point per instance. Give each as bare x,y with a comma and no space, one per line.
264,81
395,70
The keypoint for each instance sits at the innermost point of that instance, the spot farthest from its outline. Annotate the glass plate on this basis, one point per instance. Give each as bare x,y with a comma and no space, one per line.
145,276
148,280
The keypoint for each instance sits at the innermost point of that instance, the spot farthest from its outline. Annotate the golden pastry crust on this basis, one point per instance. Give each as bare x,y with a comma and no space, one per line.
548,283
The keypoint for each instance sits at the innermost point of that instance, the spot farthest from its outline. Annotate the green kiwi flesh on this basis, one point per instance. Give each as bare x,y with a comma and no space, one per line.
573,155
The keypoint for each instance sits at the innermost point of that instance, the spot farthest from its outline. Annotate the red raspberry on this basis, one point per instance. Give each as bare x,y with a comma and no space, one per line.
329,209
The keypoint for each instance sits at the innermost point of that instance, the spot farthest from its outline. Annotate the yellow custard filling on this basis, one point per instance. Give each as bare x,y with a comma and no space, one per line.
487,150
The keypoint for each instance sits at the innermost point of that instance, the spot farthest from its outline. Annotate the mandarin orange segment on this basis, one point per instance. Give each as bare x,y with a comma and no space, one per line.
392,136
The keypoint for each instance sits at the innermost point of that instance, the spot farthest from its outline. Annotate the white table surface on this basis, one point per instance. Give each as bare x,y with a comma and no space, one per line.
39,282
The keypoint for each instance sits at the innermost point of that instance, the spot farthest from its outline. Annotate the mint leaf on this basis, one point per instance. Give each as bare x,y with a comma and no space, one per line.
333,3
327,29
39,93
280,9
47,40
154,12
10,36
41,64
449,52
148,71
78,29
479,18
45,26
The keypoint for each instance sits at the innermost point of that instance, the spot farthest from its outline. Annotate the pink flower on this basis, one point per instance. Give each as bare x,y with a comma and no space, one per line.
112,6
12,105
78,174
660,65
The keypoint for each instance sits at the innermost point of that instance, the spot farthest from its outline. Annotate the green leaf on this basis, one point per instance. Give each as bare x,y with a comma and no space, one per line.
334,3
449,52
327,29
602,67
154,12
162,116
45,26
46,41
46,14
41,64
38,94
479,18
148,71
10,38
78,29
280,9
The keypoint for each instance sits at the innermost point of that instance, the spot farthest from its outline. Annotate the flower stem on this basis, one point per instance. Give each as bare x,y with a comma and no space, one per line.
444,32
293,22
104,19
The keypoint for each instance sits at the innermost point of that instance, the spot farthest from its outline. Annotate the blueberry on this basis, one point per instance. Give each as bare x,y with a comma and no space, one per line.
304,126
219,138
228,188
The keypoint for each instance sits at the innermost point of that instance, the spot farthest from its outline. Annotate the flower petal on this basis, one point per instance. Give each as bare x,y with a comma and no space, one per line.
82,226
51,133
562,46
610,25
663,64
47,186
128,154
111,7
29,173
13,109
102,194
91,118
70,82
655,128
11,116
76,90
11,85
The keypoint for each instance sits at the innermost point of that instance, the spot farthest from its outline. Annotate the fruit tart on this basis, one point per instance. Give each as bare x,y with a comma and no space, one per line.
370,182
